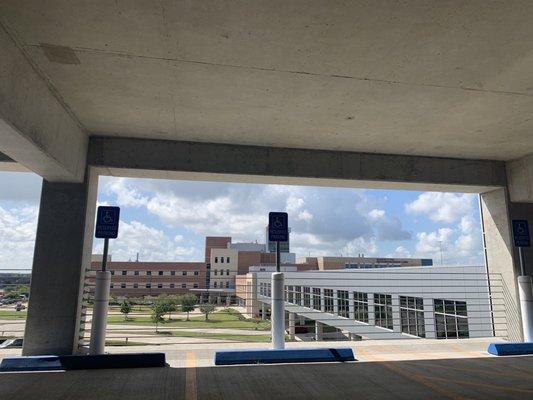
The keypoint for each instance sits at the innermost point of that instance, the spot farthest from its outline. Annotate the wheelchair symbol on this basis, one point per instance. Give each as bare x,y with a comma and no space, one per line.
108,219
278,224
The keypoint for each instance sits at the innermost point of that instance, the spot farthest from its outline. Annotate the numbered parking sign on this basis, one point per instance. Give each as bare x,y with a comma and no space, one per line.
107,222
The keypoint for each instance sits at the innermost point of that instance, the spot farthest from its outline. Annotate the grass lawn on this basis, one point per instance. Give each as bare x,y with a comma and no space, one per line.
123,343
208,335
222,319
6,314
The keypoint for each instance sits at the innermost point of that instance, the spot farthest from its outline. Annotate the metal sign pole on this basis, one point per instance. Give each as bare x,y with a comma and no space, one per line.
278,257
107,221
521,257
104,258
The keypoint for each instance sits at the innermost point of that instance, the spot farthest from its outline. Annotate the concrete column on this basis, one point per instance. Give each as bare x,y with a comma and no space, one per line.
371,310
277,315
335,303
251,295
99,318
396,320
319,331
501,262
429,319
292,325
525,287
351,307
263,311
63,246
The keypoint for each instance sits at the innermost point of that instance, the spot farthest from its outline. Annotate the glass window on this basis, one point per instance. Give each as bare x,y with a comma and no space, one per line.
136,273
112,272
328,301
111,286
148,272
160,286
227,284
172,273
307,296
451,321
216,272
215,284
227,272
383,310
184,273
222,260
290,294
343,303
184,285
216,260
123,285
412,316
135,285
172,286
124,272
360,306
298,295
316,299
196,273
195,285
148,285
160,273
227,259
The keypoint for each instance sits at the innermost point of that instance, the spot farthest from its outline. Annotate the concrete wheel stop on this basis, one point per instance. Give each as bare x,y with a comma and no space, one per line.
283,356
72,362
510,349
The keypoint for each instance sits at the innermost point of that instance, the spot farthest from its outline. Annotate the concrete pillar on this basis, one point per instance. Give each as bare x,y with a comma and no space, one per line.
396,320
263,311
292,325
501,262
319,331
252,304
63,246
277,315
351,307
371,310
100,307
429,319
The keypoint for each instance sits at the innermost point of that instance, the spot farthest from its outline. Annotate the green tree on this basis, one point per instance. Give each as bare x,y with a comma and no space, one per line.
187,303
125,308
206,309
157,314
167,304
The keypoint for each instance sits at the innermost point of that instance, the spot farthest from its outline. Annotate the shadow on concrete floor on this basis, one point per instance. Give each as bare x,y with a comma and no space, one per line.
467,378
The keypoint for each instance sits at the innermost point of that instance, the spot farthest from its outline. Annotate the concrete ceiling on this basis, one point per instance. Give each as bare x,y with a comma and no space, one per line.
432,78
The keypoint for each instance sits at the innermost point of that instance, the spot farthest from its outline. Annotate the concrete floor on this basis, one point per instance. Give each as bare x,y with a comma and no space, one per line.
467,378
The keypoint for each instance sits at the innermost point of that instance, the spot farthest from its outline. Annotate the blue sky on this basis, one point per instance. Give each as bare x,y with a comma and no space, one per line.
167,220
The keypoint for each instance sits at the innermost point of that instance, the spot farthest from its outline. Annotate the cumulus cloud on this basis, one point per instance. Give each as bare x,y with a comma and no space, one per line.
442,207
152,244
18,226
322,220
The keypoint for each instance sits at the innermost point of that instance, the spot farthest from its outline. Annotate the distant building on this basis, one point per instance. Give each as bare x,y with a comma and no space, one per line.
329,263
139,279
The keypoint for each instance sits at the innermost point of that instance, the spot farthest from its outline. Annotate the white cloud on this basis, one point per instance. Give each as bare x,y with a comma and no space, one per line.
376,214
400,252
18,226
442,207
151,243
127,195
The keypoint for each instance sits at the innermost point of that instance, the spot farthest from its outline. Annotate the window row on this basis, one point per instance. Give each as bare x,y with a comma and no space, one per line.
222,285
154,285
216,272
150,273
221,260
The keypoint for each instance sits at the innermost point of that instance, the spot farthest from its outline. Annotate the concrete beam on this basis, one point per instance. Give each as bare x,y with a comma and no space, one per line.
36,128
238,163
7,164
520,178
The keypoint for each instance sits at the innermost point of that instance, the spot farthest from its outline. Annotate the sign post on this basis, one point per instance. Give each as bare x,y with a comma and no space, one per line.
278,231
107,219
525,284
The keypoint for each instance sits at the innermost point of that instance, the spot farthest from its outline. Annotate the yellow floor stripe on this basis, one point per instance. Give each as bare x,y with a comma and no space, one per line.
191,390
